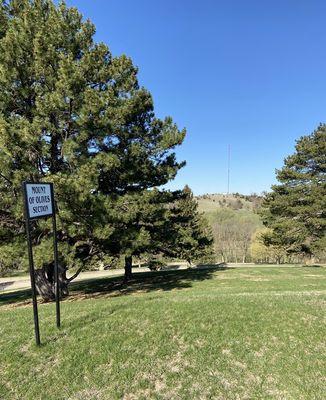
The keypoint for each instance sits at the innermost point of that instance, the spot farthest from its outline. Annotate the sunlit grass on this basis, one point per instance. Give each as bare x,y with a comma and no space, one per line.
243,333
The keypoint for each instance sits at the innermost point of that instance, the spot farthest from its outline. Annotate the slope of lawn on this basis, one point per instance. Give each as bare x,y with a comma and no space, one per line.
234,333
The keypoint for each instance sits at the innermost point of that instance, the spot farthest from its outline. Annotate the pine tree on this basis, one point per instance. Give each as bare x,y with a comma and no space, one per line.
73,114
161,222
188,233
140,219
296,207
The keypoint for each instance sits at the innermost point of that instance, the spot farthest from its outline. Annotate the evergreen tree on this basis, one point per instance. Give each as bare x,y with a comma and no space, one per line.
296,208
162,222
141,220
188,235
73,114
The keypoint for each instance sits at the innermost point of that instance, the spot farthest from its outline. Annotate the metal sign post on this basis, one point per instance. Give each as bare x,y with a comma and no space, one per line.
39,203
56,262
32,275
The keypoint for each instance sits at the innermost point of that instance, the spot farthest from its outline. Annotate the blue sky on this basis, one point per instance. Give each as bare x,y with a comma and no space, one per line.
248,73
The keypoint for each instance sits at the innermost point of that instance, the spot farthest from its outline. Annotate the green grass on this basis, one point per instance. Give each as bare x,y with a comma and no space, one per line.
241,333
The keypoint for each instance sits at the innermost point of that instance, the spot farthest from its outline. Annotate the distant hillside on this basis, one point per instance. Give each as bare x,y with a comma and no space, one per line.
212,202
234,221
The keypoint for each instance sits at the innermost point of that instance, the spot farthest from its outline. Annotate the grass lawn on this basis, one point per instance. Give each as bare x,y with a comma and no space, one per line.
237,333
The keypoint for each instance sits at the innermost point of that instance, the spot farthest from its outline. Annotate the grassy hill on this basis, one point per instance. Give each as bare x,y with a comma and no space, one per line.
235,333
234,220
211,202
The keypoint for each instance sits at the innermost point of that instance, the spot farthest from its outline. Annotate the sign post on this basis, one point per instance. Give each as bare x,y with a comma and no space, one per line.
56,261
39,203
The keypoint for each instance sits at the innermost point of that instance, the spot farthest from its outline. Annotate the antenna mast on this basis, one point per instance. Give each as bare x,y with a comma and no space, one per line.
229,157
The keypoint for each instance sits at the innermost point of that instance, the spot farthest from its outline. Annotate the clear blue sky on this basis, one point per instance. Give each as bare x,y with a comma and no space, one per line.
248,73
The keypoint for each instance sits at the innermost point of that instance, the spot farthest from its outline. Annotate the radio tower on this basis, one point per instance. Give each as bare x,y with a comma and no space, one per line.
229,157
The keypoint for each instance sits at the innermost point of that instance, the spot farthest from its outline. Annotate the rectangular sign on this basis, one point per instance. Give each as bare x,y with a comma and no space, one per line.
39,200
39,203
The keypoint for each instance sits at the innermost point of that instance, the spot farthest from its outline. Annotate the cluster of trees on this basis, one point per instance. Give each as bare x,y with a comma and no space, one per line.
74,115
260,252
240,237
289,223
295,209
233,231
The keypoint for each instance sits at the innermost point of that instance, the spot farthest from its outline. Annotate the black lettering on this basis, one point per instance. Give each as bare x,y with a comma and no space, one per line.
38,189
40,209
43,199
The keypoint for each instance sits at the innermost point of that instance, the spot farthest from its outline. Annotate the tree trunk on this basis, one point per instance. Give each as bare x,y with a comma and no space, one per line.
128,269
45,283
312,259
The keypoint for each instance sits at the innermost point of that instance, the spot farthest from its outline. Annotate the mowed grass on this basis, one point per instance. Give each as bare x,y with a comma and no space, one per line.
235,333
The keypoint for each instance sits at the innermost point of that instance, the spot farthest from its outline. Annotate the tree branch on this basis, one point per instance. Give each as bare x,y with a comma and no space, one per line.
79,270
7,179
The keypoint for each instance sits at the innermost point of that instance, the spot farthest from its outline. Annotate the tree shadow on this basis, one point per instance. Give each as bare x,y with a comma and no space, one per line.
22,296
171,267
142,282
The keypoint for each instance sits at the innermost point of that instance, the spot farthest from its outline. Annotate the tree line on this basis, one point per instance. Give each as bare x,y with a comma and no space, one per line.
287,224
73,114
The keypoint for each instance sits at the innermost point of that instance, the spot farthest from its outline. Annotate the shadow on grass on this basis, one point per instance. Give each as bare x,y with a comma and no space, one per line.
18,296
146,281
142,282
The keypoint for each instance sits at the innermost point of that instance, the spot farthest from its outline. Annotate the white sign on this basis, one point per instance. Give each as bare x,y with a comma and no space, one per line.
39,199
